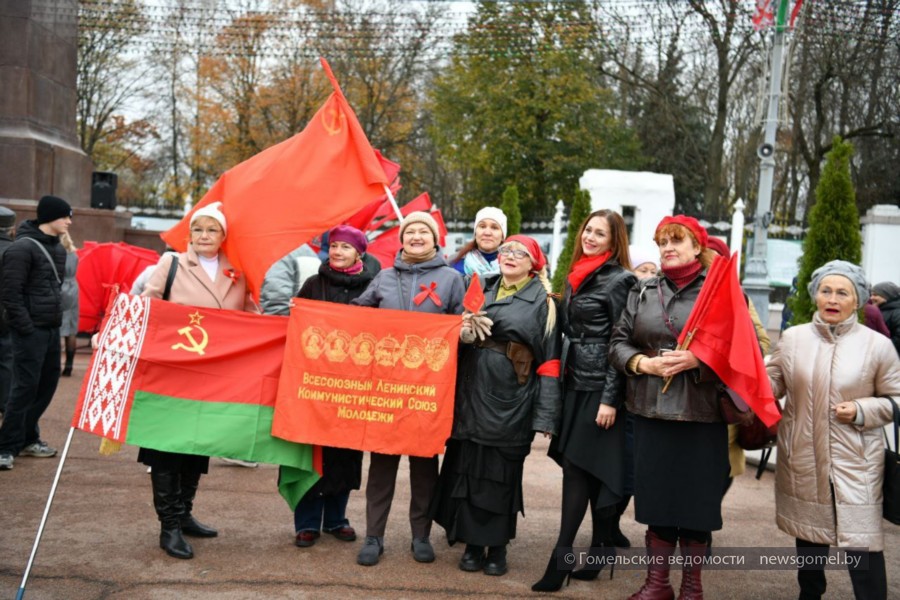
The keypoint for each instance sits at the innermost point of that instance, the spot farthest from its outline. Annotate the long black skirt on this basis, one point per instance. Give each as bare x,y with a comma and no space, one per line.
680,469
600,452
173,462
479,493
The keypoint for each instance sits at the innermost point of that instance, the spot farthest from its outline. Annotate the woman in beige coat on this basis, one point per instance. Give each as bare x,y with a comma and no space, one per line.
204,278
835,375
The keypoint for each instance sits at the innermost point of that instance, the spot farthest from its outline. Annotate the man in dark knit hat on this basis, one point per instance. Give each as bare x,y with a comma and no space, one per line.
30,291
7,233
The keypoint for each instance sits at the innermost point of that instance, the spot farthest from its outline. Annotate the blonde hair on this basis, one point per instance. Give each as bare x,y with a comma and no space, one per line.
66,240
550,325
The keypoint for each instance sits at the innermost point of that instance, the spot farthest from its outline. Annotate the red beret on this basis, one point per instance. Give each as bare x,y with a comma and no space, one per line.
538,260
692,225
718,246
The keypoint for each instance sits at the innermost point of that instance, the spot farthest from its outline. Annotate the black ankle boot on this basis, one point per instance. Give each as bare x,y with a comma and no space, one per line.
601,555
472,559
495,563
169,510
554,576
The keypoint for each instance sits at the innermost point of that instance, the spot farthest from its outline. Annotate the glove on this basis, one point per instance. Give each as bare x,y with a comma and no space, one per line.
480,324
466,335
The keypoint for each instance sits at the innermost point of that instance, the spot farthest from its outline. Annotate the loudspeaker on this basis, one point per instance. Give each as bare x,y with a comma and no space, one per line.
103,189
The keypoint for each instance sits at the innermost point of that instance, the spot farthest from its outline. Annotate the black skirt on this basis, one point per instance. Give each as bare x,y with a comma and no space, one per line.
173,462
680,469
479,492
600,452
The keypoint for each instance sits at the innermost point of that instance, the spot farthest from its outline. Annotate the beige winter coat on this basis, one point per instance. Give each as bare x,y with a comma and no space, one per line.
815,367
192,286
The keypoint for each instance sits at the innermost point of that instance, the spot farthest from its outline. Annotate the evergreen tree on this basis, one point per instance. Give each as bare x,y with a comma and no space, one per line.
510,207
581,208
833,227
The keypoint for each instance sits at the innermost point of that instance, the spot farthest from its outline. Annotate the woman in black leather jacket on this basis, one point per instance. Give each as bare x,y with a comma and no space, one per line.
590,446
507,389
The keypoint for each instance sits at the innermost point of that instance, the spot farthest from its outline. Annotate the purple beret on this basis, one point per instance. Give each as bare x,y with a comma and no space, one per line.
350,235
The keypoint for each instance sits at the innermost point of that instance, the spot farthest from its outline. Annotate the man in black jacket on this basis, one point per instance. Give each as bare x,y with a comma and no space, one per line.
30,291
7,231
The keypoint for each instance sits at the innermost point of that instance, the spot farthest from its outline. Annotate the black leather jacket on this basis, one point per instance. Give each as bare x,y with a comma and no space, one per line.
587,322
491,407
693,395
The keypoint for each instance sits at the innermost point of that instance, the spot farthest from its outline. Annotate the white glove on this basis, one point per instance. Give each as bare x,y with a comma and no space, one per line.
466,335
480,323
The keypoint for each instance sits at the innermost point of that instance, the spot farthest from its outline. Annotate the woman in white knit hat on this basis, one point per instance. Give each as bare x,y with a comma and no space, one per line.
203,277
479,255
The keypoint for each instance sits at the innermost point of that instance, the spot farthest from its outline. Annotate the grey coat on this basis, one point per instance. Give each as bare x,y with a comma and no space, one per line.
693,395
398,286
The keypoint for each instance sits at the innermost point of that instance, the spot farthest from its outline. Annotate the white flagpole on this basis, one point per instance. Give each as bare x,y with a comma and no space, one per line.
390,196
37,540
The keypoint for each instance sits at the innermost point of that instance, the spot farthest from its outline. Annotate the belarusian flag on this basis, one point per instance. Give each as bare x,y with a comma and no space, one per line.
191,380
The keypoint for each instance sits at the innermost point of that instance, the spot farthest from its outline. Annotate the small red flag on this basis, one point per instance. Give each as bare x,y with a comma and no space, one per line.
474,298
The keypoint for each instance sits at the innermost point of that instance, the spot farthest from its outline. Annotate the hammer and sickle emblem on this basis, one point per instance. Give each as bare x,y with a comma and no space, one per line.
333,125
195,346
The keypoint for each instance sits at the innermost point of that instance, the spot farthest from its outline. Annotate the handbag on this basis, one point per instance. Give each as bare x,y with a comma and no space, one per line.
891,489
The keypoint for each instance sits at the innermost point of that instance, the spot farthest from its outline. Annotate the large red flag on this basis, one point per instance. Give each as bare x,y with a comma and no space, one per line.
291,192
723,337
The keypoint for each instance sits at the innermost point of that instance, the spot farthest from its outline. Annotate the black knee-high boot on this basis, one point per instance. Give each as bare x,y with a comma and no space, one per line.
619,539
170,508
189,525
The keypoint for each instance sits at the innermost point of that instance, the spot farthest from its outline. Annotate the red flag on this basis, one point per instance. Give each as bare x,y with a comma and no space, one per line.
385,247
722,336
474,298
293,191
370,379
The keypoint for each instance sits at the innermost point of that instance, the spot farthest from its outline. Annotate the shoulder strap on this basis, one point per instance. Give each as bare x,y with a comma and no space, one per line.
170,278
49,258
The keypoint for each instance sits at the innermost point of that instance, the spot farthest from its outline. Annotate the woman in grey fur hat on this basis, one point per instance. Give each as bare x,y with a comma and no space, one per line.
837,378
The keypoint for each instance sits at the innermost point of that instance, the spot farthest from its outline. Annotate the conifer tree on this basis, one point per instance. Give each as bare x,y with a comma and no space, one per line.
510,207
833,227
581,208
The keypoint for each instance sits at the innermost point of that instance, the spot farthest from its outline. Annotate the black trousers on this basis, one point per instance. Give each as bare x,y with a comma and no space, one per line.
869,582
35,377
423,477
6,366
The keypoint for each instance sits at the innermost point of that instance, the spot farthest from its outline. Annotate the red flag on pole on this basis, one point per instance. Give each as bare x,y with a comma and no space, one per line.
474,298
721,335
291,192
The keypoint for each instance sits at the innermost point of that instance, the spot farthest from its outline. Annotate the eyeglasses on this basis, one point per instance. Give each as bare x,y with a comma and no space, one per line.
517,254
201,231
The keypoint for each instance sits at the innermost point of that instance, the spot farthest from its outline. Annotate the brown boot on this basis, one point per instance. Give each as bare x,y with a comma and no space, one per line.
657,586
693,553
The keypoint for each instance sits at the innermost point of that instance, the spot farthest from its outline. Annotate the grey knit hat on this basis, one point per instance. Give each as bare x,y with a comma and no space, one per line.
7,218
886,289
844,269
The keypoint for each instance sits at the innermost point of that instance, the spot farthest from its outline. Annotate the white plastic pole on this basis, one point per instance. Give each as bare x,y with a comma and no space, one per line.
37,540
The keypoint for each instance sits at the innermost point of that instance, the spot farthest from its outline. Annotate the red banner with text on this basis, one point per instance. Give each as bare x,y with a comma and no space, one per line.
370,379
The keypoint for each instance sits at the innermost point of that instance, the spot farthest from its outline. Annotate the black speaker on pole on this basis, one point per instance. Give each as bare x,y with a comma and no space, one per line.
103,189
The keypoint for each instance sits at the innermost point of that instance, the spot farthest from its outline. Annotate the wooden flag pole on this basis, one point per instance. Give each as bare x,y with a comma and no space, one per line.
687,342
37,540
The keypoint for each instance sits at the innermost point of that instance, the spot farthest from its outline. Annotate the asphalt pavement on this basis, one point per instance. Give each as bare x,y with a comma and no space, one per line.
101,538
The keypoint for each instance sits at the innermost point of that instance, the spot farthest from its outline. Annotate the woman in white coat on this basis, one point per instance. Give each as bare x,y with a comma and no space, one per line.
836,376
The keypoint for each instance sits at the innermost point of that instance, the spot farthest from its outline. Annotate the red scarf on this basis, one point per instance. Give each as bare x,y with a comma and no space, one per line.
353,269
584,267
682,275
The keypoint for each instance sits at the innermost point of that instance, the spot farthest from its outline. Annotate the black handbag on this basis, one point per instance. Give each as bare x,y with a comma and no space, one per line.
891,488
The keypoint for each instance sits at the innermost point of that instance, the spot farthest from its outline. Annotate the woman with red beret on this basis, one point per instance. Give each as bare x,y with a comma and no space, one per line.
680,439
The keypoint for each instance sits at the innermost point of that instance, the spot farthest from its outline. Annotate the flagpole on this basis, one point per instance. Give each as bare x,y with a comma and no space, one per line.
390,196
37,540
